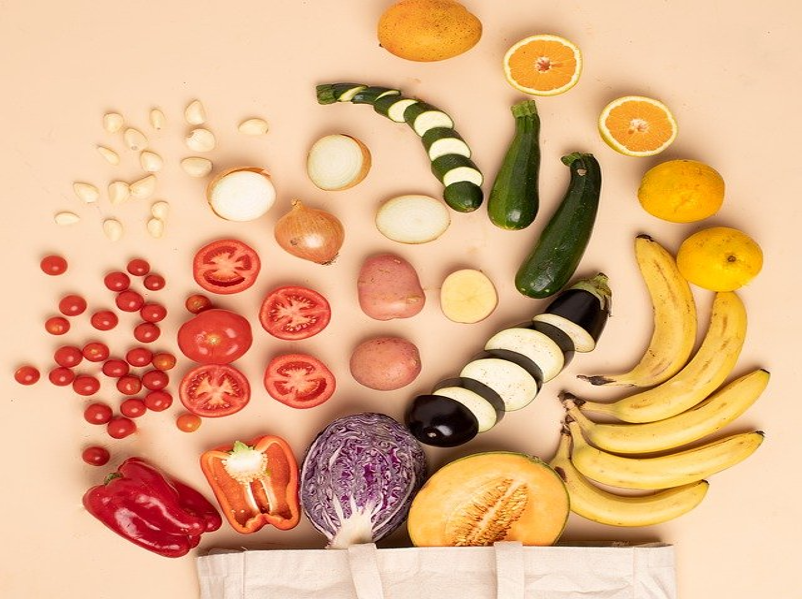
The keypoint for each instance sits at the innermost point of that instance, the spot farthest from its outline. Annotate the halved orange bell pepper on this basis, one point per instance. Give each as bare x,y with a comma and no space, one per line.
256,483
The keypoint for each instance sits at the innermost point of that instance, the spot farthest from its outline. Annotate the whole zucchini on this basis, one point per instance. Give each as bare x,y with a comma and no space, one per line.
562,243
514,199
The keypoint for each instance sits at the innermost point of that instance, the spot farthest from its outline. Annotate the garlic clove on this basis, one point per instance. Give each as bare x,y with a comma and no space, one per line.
157,119
113,122
66,218
253,126
160,209
195,113
86,192
135,139
143,188
109,155
196,166
151,162
155,227
113,229
119,192
200,140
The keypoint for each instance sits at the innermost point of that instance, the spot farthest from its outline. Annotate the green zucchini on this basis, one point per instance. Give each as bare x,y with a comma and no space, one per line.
449,154
514,200
562,243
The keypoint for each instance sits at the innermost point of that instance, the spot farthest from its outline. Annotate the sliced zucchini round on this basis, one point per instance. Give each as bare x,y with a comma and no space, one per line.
422,117
393,107
441,141
514,384
348,95
535,345
372,93
453,168
482,409
463,196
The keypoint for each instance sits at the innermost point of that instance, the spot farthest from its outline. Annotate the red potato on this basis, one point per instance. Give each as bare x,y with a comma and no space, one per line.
389,288
385,363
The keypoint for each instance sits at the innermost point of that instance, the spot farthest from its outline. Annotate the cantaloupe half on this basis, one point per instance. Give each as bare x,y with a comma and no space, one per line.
490,497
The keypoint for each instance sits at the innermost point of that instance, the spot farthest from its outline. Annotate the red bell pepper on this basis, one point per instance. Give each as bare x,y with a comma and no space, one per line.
256,484
143,505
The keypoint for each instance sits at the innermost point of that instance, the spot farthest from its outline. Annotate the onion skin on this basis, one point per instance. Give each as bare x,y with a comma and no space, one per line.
310,233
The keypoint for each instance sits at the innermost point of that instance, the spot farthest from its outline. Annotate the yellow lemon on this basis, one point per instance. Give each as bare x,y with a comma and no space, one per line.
681,191
721,259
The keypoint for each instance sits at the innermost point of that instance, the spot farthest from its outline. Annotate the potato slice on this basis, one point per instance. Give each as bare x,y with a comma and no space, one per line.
468,296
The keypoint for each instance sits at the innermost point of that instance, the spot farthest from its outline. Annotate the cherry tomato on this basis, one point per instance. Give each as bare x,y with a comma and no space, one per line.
138,357
117,281
299,380
154,282
57,325
133,408
159,400
147,332
138,267
163,361
188,422
61,376
96,456
85,385
68,356
214,390
155,379
120,427
152,312
129,301
96,351
98,413
104,320
215,336
226,266
294,313
197,303
53,264
72,305
129,385
115,367
27,375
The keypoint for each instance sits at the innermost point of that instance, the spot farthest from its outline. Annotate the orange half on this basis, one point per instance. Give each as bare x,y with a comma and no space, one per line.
637,126
543,65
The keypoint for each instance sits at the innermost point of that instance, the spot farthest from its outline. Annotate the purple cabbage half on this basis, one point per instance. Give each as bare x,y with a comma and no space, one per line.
359,477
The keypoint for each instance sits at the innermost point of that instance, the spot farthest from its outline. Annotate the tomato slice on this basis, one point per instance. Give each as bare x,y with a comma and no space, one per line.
226,266
294,312
214,390
299,380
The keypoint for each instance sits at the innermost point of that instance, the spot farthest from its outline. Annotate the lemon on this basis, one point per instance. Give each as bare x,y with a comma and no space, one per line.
721,259
681,191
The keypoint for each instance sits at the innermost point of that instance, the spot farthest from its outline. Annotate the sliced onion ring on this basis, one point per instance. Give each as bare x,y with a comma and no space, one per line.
413,219
337,162
241,193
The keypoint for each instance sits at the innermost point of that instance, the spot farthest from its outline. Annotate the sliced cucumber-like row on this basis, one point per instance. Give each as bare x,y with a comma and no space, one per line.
440,141
422,117
535,345
329,93
440,421
514,384
453,168
373,93
393,107
485,413
463,196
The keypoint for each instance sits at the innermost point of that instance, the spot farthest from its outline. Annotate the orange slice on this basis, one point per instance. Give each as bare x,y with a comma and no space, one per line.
543,65
637,126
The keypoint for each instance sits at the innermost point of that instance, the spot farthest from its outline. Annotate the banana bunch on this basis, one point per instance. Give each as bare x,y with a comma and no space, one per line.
684,402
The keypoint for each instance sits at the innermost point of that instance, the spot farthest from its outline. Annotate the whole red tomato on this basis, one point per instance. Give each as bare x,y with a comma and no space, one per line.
215,336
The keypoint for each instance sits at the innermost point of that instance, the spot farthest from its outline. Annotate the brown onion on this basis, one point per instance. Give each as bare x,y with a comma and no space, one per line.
310,233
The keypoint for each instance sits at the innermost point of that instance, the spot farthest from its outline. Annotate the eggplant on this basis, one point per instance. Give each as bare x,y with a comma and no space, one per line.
440,421
535,345
484,402
519,359
516,386
581,311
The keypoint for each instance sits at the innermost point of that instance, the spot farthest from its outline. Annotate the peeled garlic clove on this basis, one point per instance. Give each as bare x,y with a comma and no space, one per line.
155,227
200,140
254,126
86,192
150,161
157,119
194,113
196,166
113,229
66,218
135,139
119,192
113,122
110,155
143,188
160,209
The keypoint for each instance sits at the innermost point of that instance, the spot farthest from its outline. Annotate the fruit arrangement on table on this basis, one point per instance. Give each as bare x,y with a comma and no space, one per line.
365,474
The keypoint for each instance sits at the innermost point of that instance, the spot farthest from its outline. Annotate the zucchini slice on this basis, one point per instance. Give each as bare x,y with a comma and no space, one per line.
393,107
482,409
464,196
514,384
329,93
440,141
371,94
422,117
537,346
453,168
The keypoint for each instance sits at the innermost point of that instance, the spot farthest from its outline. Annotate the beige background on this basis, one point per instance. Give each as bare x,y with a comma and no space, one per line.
729,70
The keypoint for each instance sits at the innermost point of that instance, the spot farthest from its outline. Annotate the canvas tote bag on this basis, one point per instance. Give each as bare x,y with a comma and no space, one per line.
504,570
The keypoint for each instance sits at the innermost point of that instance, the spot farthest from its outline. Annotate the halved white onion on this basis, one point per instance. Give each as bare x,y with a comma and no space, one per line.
337,162
241,194
413,219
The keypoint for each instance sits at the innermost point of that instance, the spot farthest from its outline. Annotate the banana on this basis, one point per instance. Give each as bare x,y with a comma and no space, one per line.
674,334
720,409
602,506
665,471
706,371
